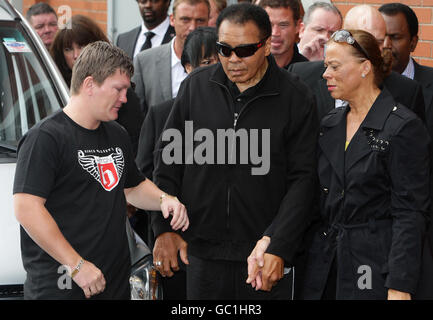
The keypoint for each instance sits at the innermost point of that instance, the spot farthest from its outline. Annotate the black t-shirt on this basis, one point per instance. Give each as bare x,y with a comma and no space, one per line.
82,175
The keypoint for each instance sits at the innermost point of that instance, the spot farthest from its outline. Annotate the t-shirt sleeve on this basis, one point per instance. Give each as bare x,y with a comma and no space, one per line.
37,162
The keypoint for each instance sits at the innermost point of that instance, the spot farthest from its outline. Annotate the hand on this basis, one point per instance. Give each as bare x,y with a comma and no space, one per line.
171,205
314,50
90,279
272,271
256,261
398,295
165,251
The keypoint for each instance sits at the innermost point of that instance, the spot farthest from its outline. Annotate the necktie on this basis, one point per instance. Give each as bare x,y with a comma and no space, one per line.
148,44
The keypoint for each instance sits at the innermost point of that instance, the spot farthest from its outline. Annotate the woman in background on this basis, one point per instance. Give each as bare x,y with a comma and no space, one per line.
66,48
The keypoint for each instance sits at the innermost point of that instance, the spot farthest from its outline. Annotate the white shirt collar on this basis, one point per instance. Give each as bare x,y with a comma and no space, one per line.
156,40
178,73
174,59
410,70
160,30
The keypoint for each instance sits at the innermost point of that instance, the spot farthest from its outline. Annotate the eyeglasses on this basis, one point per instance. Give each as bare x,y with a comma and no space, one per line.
242,51
346,36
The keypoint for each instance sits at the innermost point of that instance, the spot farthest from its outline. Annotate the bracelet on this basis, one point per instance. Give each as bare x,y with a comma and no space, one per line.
77,268
162,196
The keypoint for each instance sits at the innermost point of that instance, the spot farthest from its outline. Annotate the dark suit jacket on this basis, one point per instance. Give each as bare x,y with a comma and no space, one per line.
127,40
424,75
150,131
404,90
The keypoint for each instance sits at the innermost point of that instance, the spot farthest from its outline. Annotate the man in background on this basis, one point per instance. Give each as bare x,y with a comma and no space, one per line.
285,21
43,19
159,72
320,21
154,30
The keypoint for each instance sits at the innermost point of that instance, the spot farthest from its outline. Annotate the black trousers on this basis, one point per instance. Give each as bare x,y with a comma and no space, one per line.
218,279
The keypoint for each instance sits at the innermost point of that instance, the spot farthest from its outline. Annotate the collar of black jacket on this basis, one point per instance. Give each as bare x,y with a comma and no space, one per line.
375,118
270,86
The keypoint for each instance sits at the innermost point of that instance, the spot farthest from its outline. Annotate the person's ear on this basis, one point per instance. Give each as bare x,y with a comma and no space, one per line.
268,46
188,68
413,43
366,68
88,85
298,26
301,28
172,20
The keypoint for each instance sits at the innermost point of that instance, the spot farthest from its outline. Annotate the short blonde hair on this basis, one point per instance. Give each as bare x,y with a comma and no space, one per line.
99,60
191,2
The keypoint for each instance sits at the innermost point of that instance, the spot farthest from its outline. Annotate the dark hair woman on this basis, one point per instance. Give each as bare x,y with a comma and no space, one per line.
373,167
67,46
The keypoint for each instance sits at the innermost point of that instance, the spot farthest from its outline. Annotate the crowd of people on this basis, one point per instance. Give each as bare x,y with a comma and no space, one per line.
319,189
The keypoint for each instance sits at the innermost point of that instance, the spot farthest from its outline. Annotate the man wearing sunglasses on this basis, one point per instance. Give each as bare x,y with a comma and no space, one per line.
230,207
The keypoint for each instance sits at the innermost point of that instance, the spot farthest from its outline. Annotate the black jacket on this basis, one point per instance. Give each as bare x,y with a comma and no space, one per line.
373,202
150,132
229,208
404,90
424,75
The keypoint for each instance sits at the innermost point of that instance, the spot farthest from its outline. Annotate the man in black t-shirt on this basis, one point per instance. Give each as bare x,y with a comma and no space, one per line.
75,171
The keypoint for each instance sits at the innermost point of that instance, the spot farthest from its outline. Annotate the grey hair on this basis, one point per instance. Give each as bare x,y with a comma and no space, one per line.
320,5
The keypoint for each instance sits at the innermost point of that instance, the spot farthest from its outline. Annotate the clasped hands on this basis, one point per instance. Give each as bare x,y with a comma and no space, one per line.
264,269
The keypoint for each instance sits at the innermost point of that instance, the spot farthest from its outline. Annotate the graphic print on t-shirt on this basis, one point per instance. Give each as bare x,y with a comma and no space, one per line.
107,170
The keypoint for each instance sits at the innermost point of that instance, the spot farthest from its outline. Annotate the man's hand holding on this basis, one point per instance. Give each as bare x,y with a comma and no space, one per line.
165,253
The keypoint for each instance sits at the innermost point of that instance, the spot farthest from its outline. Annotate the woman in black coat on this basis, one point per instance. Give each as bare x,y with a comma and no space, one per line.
373,168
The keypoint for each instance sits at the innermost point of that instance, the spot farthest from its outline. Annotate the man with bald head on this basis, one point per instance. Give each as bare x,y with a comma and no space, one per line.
404,90
365,17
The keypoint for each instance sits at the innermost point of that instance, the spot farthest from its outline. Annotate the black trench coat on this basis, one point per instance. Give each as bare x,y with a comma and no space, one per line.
373,203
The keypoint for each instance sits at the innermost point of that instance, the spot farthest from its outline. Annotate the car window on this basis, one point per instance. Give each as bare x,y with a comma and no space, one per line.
27,92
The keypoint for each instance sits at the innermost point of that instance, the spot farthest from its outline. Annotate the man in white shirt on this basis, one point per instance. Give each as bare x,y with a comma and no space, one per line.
158,71
154,30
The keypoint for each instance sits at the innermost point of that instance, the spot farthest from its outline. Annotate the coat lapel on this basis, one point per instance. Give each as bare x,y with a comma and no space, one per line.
374,121
332,140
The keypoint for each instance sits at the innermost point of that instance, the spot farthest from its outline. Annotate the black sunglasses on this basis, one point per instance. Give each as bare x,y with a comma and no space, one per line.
346,36
242,51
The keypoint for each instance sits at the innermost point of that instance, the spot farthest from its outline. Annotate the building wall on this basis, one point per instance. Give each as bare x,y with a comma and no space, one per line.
424,11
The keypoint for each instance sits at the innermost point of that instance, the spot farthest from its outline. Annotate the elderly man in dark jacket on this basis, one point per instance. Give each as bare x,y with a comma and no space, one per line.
264,175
